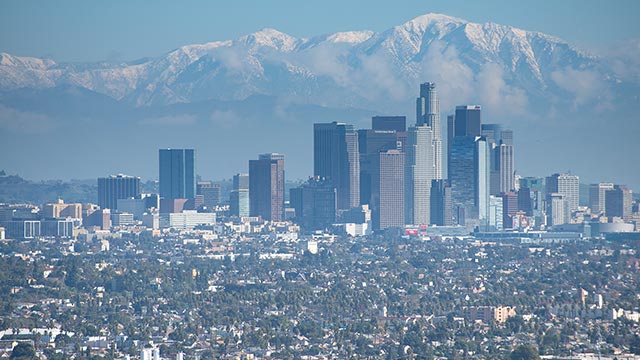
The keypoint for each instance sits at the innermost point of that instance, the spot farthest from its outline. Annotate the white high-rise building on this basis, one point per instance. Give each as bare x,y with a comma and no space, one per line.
557,209
568,185
419,172
428,113
495,213
597,194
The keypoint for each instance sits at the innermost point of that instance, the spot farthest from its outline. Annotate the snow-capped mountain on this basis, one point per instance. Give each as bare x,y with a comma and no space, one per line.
358,68
551,94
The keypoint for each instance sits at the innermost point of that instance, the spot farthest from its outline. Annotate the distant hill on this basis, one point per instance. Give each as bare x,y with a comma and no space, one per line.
14,189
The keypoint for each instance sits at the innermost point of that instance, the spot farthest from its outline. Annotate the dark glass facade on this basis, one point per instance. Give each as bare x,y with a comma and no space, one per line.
177,173
115,187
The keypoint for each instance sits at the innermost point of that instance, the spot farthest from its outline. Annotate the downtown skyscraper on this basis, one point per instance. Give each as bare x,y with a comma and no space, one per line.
423,156
387,133
419,173
387,190
266,187
177,173
239,196
336,158
469,166
428,113
502,158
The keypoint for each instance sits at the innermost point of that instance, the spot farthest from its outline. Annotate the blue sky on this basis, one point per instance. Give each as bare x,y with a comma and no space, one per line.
83,30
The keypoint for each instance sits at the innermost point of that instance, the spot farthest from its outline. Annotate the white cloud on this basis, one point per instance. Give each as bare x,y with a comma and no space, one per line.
496,95
583,85
442,65
458,84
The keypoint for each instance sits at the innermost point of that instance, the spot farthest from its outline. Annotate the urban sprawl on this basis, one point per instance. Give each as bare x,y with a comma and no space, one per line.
381,254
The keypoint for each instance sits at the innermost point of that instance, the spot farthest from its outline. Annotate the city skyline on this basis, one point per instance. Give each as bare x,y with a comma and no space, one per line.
183,122
321,180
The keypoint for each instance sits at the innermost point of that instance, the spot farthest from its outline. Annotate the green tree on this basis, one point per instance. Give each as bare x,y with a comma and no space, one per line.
23,351
524,352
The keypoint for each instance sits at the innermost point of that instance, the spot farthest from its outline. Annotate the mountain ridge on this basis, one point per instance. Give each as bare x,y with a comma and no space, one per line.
262,92
264,61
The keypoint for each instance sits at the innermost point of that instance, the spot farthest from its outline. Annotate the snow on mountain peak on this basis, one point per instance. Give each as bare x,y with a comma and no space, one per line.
27,62
215,69
269,37
433,18
351,37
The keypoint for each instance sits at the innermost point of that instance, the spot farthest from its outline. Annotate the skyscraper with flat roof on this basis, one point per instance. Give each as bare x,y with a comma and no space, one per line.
389,123
266,187
419,172
469,176
467,121
509,208
387,197
177,173
370,143
239,196
315,204
597,194
619,202
115,187
337,159
210,193
569,186
502,158
557,209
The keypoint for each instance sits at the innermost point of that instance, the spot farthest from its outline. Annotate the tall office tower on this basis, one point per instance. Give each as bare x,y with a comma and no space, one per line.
619,202
315,204
509,208
450,135
336,158
387,198
597,194
428,113
496,214
266,187
502,158
210,193
441,210
241,181
469,176
370,143
239,197
419,172
177,174
507,162
465,122
567,185
389,123
115,187
525,201
557,209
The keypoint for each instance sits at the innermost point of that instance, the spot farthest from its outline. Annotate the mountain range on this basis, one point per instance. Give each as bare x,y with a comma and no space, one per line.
261,92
